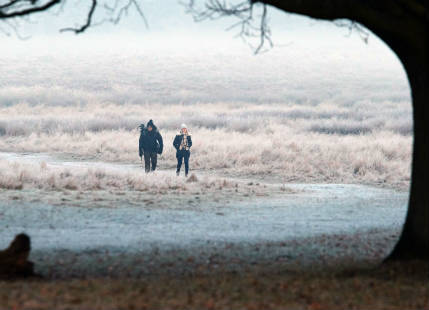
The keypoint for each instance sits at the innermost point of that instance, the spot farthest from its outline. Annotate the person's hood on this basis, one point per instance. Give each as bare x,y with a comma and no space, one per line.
151,124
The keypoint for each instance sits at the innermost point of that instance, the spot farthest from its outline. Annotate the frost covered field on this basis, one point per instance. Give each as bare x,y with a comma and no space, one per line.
299,143
325,114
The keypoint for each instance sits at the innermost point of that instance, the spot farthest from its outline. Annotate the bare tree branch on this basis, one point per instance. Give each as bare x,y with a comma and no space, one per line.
122,11
354,26
140,11
257,27
14,25
116,12
6,14
9,4
249,26
88,20
14,10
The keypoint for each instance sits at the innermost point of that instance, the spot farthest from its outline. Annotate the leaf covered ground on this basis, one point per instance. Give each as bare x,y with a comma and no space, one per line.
388,286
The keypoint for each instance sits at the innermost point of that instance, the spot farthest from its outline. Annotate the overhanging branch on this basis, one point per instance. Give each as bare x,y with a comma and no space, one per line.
7,10
114,10
88,20
249,24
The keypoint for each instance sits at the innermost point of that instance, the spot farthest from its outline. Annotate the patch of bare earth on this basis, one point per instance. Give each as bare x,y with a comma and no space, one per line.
389,286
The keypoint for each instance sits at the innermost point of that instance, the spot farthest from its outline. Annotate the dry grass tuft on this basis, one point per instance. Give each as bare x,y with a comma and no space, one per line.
17,176
193,178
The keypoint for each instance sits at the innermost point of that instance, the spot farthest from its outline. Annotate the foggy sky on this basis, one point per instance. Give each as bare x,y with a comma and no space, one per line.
302,43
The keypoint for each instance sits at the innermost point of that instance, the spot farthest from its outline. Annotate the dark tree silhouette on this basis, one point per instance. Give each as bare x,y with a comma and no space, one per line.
402,24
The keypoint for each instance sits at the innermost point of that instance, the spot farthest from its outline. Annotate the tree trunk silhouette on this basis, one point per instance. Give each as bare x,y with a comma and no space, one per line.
403,26
414,241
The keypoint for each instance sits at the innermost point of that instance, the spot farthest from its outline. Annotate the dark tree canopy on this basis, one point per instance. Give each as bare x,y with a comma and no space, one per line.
402,24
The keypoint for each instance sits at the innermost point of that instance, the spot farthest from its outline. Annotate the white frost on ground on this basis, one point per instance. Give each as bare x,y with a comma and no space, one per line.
308,224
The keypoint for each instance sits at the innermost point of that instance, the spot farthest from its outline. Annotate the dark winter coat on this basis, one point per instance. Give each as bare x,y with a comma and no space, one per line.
178,141
150,141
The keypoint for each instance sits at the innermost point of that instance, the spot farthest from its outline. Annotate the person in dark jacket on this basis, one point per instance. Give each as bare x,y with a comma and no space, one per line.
150,145
183,142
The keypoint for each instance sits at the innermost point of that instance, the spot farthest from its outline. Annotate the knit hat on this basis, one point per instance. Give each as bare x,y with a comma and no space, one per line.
150,123
183,126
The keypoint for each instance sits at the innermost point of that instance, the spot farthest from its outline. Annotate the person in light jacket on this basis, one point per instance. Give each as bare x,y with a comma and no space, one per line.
183,142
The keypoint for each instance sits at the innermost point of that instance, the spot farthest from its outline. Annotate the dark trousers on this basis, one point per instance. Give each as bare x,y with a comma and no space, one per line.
150,157
183,155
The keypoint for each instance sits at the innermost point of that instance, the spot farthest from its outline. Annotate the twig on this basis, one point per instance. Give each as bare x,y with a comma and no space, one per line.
249,27
88,20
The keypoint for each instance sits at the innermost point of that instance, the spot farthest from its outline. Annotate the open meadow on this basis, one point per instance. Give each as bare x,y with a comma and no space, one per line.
283,116
288,142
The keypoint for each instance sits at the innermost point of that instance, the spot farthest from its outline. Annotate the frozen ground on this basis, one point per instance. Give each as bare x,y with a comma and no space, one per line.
302,225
